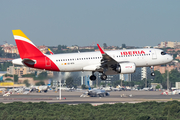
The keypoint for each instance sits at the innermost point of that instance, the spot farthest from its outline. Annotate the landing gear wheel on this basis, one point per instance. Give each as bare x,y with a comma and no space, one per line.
103,77
92,77
152,74
152,71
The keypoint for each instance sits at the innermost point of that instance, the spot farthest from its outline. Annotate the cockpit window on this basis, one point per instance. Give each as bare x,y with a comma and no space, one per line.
163,53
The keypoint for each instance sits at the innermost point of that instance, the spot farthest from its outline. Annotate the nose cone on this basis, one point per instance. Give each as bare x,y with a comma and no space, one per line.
170,58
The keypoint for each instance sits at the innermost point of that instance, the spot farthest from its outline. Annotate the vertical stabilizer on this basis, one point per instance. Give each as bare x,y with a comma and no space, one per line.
25,47
89,85
50,51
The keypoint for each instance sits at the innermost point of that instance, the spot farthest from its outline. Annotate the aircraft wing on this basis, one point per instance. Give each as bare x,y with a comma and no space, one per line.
107,63
106,58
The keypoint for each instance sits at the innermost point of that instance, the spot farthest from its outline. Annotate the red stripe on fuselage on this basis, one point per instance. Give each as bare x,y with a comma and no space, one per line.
43,62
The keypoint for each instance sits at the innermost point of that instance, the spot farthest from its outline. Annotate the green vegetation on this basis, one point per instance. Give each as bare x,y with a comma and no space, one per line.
119,111
123,45
29,75
174,76
41,76
84,86
64,49
158,86
26,82
8,79
1,52
5,65
15,78
40,83
69,82
6,75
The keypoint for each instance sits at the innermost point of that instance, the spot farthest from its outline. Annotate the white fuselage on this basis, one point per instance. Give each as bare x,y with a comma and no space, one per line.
89,61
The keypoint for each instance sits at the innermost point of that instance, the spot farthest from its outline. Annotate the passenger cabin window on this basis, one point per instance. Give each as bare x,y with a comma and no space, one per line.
163,53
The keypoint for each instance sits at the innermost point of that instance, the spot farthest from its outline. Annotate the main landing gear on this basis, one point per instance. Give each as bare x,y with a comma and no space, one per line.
152,71
93,77
103,76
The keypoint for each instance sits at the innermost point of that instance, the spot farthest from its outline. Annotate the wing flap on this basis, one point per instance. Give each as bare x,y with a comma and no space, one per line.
92,67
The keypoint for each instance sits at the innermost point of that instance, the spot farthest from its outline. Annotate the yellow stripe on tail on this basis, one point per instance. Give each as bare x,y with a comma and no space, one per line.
19,33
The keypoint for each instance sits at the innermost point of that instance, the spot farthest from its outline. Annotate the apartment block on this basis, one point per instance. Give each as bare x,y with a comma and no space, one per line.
169,44
18,70
162,69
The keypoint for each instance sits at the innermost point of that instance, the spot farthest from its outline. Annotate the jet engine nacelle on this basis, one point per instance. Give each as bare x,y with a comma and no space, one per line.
126,68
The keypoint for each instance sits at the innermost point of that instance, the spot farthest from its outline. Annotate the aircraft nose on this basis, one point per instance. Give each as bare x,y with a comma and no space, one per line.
170,58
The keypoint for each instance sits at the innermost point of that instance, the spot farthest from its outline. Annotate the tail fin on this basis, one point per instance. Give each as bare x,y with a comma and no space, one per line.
25,47
89,85
50,51
49,84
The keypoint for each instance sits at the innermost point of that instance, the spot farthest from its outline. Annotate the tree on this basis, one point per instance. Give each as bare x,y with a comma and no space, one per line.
69,82
103,84
4,115
40,83
174,56
8,79
43,75
27,83
83,86
104,45
6,75
1,52
116,83
158,86
158,77
123,45
174,77
141,84
15,78
5,65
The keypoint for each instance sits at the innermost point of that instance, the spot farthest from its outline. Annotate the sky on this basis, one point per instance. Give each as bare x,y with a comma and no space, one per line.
88,22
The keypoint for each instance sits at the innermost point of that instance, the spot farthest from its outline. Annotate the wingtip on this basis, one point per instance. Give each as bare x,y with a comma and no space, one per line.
101,50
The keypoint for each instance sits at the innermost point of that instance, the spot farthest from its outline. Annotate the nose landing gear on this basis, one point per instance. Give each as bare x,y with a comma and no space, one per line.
152,71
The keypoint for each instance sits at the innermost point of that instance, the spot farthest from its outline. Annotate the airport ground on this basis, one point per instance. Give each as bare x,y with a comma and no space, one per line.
74,97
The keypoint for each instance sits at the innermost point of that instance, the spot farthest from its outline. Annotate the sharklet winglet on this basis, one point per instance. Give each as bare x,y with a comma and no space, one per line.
101,50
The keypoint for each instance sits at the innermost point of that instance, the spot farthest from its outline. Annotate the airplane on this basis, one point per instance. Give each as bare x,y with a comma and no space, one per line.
119,88
50,51
105,62
66,89
95,92
39,89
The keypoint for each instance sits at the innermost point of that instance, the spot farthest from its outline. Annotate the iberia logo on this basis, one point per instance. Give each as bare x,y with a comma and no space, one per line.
132,52
128,67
